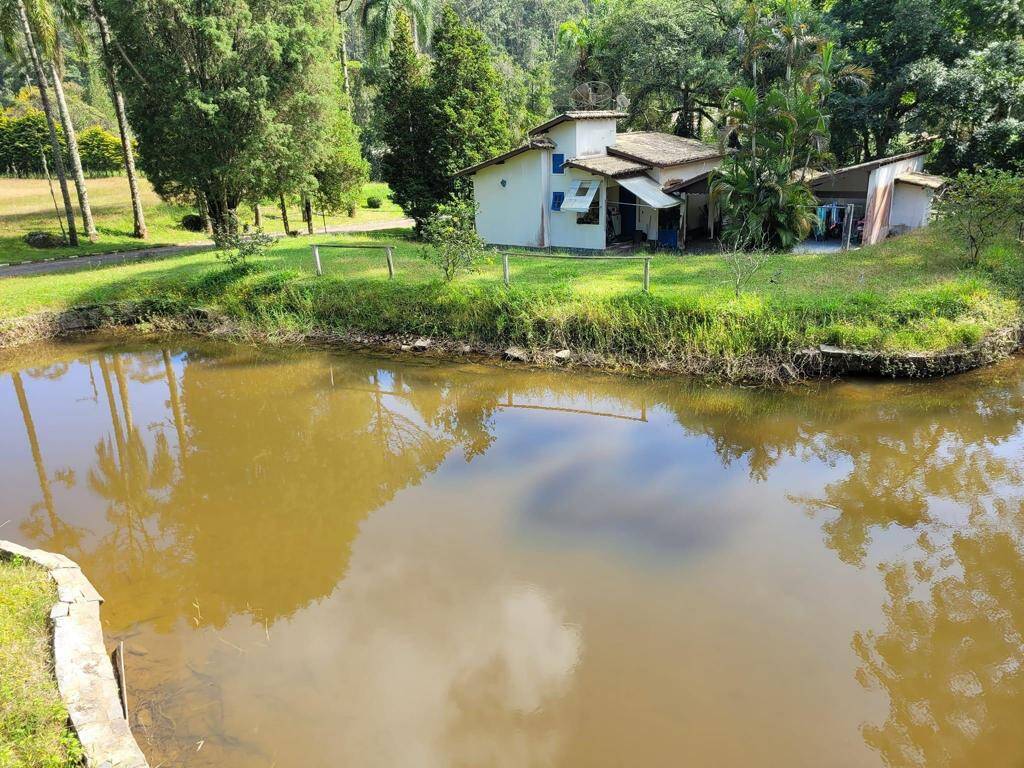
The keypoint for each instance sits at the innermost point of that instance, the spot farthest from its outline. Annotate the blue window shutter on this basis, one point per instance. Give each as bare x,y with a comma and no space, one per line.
558,163
557,198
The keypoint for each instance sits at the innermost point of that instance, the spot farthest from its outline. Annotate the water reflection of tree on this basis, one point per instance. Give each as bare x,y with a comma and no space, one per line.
54,531
287,458
951,655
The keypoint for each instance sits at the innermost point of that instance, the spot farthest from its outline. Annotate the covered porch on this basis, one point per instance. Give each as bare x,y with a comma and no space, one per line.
640,212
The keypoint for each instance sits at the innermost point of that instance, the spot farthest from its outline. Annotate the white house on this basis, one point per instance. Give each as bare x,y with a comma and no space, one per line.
577,183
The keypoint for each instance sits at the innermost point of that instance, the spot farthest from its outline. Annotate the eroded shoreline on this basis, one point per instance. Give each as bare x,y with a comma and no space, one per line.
821,362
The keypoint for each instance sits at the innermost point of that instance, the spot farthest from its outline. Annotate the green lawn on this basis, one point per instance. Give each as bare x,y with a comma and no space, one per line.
25,205
908,294
33,721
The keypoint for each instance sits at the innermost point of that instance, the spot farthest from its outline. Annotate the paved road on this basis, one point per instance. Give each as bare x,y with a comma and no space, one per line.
165,251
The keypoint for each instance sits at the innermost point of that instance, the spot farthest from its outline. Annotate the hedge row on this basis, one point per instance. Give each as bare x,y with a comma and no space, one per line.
24,139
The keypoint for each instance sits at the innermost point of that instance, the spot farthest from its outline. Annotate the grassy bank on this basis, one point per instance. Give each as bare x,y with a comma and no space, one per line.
910,294
33,721
25,205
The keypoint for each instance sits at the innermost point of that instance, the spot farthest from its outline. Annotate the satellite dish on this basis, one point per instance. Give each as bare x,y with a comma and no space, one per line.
592,95
622,102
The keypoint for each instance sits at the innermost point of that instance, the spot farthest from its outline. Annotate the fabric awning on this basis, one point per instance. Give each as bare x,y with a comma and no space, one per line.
648,190
580,195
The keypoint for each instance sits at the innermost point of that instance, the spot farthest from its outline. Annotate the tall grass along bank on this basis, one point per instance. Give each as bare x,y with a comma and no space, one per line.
906,299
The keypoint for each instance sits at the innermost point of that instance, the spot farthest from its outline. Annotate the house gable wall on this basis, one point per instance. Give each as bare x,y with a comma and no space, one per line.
513,214
684,172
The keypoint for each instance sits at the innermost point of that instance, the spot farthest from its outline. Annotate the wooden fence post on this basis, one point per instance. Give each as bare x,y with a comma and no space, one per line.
316,258
504,267
647,274
391,263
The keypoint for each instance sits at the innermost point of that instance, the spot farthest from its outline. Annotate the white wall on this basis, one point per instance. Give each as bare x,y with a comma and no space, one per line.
565,232
911,206
513,214
880,197
593,137
684,172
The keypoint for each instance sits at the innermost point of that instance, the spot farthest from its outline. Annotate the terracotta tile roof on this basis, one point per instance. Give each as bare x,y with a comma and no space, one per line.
591,114
537,143
926,180
662,149
607,165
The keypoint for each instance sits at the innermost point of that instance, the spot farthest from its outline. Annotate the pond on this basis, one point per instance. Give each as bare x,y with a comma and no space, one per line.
326,559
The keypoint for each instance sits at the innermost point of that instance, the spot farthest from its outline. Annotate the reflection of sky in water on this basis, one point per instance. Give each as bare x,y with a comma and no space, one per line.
586,591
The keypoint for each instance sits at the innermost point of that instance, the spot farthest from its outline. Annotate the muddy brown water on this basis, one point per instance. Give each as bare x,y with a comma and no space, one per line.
322,559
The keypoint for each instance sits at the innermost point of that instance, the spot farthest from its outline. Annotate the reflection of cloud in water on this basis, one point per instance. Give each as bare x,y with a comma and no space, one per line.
433,669
668,511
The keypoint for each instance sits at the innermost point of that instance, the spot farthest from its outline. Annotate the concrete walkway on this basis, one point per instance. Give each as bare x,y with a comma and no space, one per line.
165,251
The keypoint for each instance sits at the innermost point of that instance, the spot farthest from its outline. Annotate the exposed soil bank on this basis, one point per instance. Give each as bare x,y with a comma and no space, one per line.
815,363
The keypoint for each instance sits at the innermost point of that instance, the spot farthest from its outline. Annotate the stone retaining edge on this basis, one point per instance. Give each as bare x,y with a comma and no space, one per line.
85,675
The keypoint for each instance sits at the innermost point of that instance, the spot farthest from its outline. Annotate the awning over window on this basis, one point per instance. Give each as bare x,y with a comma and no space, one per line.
648,190
580,195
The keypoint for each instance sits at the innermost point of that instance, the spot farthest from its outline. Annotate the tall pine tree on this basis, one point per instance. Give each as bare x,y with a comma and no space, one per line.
468,111
438,122
404,128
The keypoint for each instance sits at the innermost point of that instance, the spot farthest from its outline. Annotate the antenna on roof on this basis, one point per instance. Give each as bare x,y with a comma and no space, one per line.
622,102
592,95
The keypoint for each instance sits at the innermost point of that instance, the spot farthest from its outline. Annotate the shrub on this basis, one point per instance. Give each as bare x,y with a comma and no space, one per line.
193,222
23,140
374,202
45,240
239,248
455,245
100,150
977,207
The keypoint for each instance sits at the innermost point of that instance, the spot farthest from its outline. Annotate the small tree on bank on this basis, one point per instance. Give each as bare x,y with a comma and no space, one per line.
976,208
455,247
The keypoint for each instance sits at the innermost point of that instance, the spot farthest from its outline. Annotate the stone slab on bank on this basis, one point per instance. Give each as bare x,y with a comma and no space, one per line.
85,676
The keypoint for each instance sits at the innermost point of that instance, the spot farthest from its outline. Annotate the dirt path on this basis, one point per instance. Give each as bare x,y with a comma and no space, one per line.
164,251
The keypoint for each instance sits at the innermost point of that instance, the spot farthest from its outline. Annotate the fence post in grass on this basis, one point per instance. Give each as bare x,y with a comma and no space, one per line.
504,268
647,274
391,263
316,258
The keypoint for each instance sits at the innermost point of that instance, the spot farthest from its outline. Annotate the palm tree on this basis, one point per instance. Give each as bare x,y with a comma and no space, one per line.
77,173
793,38
48,40
122,119
14,14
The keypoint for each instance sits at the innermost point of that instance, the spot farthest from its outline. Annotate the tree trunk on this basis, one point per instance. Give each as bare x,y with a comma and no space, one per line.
76,160
204,211
284,215
222,215
344,62
122,122
307,208
43,85
257,216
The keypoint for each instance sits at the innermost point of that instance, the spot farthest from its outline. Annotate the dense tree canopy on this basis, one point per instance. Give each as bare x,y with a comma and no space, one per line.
229,100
